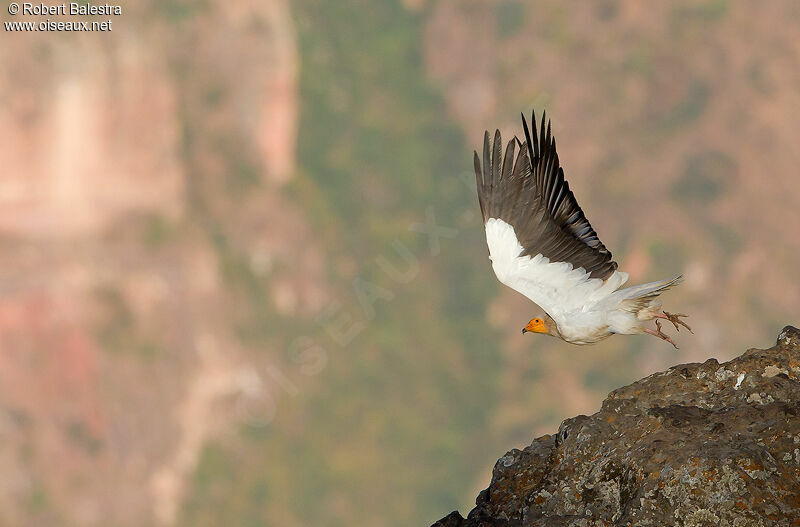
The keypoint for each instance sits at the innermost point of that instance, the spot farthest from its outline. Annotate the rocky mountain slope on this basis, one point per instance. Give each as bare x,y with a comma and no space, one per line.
699,444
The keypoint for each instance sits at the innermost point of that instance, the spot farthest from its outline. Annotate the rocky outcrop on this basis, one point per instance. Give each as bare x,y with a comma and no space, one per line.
697,445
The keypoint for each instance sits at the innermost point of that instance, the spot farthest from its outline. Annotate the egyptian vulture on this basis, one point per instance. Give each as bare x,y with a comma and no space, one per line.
542,245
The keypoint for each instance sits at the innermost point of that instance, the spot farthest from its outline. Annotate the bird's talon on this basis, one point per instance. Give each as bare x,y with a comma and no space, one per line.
674,318
660,334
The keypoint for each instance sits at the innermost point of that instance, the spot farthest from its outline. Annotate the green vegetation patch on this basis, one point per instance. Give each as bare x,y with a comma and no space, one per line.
510,18
706,177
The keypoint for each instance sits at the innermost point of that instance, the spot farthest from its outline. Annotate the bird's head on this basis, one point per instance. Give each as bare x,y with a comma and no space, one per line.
541,325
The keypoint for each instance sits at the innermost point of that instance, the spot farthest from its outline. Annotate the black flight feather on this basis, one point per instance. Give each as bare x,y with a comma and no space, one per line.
535,199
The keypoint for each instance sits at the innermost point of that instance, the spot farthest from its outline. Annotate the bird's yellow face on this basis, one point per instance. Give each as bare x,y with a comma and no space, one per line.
536,325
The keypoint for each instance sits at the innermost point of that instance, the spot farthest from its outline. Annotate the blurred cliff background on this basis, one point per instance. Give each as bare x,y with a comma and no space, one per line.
243,279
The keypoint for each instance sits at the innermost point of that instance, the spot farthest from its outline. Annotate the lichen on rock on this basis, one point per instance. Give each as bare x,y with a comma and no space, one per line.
701,444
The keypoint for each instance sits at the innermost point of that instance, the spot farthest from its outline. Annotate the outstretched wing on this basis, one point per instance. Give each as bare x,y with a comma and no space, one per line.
540,242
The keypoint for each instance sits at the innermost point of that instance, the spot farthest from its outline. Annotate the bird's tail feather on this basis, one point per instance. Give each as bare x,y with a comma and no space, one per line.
641,299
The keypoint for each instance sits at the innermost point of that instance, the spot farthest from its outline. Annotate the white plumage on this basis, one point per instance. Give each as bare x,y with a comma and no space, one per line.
585,309
541,245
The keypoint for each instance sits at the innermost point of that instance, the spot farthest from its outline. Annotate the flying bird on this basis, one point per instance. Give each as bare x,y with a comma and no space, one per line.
542,245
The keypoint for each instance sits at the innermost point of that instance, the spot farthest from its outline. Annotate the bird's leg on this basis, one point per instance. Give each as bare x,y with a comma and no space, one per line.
660,334
675,320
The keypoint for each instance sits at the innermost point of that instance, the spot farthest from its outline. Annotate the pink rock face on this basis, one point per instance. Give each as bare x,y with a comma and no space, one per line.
51,390
44,338
278,123
279,127
91,143
94,135
99,141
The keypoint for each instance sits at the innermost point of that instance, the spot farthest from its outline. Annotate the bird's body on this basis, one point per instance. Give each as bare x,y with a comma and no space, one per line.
541,245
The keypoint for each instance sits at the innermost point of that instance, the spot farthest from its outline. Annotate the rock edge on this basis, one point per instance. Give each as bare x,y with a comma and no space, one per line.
701,444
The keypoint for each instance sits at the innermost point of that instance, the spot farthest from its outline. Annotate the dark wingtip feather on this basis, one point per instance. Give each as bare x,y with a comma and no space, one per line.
496,154
508,159
531,144
486,158
536,199
479,179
